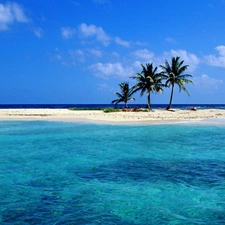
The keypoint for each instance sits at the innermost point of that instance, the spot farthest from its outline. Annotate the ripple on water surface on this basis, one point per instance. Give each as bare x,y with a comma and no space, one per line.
62,173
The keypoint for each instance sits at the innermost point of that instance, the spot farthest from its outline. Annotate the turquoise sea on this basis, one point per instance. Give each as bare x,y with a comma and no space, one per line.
67,173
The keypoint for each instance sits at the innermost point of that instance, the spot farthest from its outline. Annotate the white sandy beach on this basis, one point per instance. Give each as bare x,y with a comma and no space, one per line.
98,116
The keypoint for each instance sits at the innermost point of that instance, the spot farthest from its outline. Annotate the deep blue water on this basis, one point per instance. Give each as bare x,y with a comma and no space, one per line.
154,106
68,173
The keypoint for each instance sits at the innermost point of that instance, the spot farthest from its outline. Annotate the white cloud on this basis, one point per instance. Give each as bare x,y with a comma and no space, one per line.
38,32
121,42
206,82
97,32
111,70
116,54
77,55
87,31
141,43
59,57
67,32
104,87
137,64
144,54
170,40
95,52
189,59
54,57
18,13
9,13
217,60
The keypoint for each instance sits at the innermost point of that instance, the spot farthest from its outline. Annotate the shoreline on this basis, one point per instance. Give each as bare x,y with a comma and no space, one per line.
158,116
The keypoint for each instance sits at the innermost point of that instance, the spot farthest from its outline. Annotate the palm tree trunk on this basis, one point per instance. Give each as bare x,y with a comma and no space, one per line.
126,106
149,102
171,98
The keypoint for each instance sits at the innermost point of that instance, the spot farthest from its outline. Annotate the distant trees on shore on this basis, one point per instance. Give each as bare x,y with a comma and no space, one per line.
150,81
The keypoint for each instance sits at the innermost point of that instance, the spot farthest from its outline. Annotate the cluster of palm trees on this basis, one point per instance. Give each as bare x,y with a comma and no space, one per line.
151,81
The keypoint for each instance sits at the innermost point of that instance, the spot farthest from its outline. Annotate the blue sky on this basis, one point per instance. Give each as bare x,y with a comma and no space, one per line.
78,51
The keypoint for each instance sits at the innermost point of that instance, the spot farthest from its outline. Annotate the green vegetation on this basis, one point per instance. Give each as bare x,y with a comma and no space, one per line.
175,75
143,110
108,110
150,81
125,95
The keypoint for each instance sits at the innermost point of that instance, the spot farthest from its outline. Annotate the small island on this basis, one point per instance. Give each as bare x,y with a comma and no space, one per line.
120,117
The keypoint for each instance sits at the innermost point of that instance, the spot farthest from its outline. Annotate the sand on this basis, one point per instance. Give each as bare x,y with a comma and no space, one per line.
98,116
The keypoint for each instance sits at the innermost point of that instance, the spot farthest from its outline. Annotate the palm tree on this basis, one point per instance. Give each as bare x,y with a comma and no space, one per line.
149,81
125,95
175,75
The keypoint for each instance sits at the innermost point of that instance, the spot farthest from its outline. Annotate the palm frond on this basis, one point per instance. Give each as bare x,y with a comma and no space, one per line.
142,91
119,95
174,74
182,87
116,101
131,99
184,76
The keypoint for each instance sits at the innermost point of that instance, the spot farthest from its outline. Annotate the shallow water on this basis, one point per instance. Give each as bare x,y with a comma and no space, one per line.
64,173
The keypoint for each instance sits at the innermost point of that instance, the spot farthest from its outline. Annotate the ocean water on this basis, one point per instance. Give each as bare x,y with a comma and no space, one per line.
67,173
96,106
